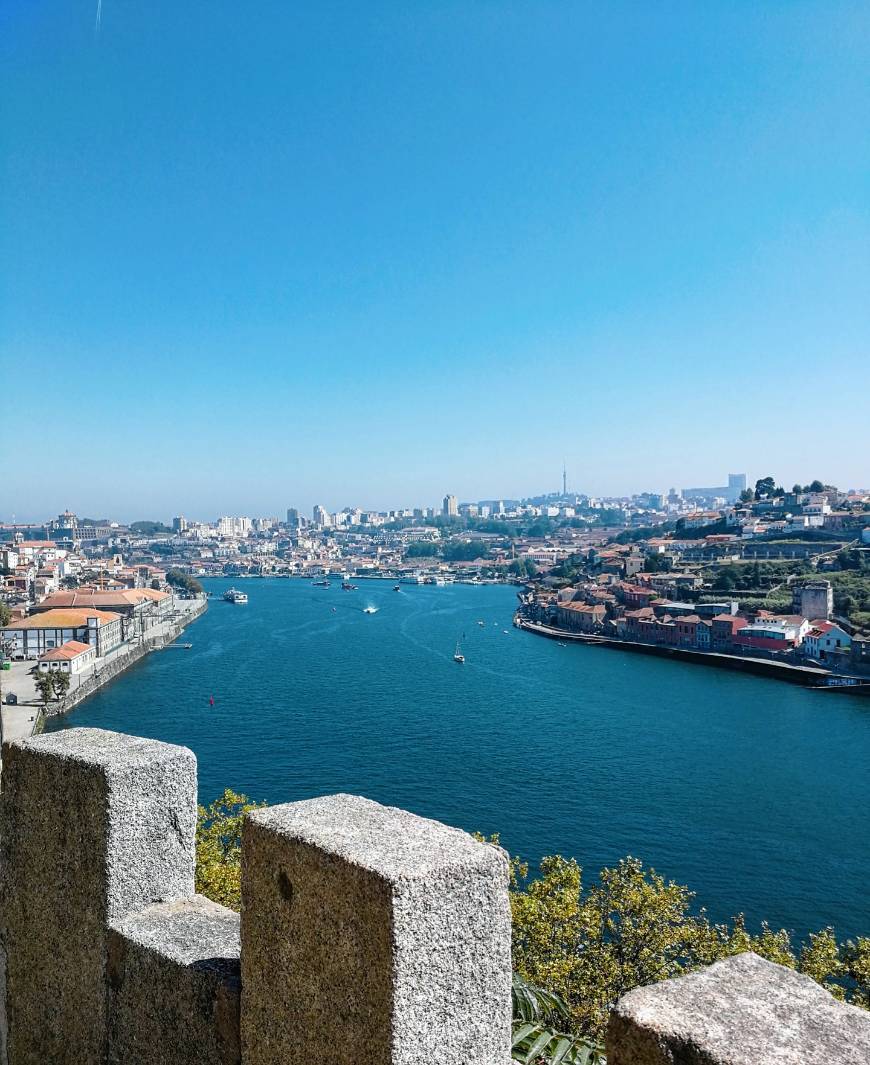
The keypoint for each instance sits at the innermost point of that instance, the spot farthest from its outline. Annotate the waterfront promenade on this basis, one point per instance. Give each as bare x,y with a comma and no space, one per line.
21,719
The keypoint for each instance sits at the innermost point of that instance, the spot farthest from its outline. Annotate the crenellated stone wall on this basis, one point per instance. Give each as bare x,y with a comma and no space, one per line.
368,936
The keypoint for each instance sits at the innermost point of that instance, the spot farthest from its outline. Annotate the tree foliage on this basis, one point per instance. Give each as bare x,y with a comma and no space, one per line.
465,551
5,615
764,486
183,581
590,945
44,687
577,948
149,528
219,848
422,549
537,1036
60,683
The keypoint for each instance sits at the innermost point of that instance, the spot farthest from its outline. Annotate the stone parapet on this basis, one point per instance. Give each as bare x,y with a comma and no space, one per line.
368,921
741,1011
173,976
368,936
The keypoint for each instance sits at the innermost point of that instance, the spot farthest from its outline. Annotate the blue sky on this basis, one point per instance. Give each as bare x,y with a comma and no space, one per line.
274,254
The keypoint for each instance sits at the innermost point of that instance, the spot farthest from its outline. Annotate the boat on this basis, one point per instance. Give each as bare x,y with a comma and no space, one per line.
415,578
321,584
348,587
370,610
397,587
233,595
458,656
482,624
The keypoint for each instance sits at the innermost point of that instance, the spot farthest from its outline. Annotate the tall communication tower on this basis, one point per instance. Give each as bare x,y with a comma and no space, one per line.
564,479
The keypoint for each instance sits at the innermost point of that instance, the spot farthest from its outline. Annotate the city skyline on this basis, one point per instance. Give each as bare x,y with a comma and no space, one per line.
440,507
376,254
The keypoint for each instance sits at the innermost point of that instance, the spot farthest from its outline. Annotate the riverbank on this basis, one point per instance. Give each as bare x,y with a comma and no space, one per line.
807,676
22,719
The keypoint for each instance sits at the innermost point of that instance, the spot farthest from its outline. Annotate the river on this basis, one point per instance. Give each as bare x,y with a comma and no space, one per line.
753,792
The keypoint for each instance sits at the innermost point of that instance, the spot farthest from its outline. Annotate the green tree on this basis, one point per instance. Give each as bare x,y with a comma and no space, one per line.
465,551
5,615
727,578
44,687
591,945
815,486
747,495
764,486
422,549
60,684
149,528
219,846
183,581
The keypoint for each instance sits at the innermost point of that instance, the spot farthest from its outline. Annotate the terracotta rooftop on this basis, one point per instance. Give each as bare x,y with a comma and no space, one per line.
71,649
63,619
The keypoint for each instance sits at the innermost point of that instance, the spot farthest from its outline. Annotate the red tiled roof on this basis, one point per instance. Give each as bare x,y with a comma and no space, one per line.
67,651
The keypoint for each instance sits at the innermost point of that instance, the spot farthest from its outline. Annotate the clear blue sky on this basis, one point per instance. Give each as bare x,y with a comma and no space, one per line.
268,254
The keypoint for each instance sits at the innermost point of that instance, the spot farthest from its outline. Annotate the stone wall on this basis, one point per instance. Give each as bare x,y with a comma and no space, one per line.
368,936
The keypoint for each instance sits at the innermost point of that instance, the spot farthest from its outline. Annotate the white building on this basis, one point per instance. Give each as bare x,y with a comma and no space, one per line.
71,657
824,639
34,635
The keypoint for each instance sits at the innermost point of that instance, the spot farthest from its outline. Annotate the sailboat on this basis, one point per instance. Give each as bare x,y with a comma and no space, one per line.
458,656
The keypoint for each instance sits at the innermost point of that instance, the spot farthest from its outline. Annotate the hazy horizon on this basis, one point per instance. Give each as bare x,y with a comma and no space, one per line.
305,508
370,255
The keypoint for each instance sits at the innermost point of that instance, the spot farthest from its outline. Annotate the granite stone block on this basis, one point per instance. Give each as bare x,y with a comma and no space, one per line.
93,825
741,1011
371,936
173,973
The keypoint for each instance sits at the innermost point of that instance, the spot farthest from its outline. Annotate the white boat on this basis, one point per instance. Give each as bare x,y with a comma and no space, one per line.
415,578
233,595
370,610
458,656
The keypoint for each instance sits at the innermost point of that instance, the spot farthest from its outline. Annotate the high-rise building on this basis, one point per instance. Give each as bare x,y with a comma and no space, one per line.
450,507
179,524
321,516
736,485
292,516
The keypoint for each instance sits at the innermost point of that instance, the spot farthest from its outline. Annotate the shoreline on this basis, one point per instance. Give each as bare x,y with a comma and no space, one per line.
124,657
805,676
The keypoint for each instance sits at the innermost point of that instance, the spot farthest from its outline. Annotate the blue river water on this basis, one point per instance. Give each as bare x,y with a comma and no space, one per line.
754,793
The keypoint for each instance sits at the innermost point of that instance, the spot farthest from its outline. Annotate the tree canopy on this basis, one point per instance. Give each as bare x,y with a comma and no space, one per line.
149,528
183,581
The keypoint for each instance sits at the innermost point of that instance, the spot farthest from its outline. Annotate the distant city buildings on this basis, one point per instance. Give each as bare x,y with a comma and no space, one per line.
450,507
730,493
